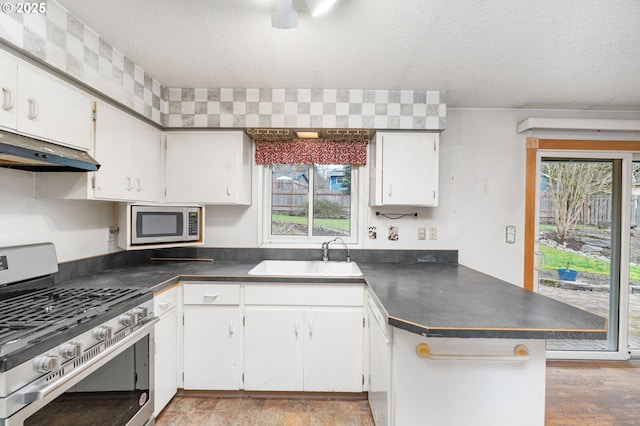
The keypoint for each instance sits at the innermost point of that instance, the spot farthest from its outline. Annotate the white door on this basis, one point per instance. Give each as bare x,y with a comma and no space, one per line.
409,169
203,167
333,350
380,376
8,85
54,110
212,348
147,162
114,151
166,360
273,349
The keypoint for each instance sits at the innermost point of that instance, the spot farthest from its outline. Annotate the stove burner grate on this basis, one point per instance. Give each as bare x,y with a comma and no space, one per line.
29,317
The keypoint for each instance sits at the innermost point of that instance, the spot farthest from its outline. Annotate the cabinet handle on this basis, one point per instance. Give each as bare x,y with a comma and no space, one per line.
210,296
310,329
139,187
8,101
129,185
389,190
33,109
520,353
231,327
228,189
296,327
163,304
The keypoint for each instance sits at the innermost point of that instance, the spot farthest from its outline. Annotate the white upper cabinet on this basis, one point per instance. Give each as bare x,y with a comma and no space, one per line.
404,169
129,151
9,85
36,103
209,167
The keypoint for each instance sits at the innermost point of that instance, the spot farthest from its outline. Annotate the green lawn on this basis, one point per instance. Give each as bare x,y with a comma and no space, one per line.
555,258
337,224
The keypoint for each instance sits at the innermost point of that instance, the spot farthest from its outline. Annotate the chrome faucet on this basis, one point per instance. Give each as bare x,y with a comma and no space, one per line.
325,249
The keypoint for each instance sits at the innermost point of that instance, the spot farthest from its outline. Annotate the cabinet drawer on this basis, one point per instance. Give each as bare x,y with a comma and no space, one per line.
165,300
304,295
211,294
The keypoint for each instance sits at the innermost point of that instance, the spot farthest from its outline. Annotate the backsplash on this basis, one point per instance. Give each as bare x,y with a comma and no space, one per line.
63,42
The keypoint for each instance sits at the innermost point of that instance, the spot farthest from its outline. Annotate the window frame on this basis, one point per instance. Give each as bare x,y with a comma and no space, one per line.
308,239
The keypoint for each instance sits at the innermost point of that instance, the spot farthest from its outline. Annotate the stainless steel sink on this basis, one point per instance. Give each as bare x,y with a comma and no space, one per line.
306,268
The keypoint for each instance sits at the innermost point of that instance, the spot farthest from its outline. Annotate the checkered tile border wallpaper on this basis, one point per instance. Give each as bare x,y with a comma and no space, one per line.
379,109
62,41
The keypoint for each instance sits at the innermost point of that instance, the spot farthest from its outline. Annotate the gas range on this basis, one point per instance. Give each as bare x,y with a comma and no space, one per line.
53,336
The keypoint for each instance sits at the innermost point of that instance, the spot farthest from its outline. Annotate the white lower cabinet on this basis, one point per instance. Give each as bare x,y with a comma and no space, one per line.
380,366
304,338
273,337
213,336
212,348
273,349
166,349
333,343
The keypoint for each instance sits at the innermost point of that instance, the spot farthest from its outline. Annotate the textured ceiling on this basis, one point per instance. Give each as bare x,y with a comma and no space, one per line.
579,54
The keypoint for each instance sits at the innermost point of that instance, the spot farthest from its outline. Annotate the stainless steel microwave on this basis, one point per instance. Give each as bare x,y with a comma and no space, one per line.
165,224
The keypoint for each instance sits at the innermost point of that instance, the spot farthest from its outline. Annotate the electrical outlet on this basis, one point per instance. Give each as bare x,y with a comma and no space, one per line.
433,233
422,233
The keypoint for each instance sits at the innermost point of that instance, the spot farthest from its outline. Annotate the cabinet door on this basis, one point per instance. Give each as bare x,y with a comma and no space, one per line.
130,154
212,348
333,350
51,109
147,162
408,169
8,85
166,360
273,349
208,167
380,376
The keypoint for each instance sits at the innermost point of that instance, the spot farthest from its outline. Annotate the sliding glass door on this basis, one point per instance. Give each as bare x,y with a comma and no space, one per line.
582,242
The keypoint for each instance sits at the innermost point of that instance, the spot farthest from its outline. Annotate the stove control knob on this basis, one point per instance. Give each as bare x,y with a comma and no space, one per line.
139,313
103,333
127,319
71,350
47,363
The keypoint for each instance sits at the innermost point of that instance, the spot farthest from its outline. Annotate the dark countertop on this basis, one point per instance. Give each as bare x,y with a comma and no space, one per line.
439,300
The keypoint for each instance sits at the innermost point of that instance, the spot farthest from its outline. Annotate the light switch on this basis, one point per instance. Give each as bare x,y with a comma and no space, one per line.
422,233
510,236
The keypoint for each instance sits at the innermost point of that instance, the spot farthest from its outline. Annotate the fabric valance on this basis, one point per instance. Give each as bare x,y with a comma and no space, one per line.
311,151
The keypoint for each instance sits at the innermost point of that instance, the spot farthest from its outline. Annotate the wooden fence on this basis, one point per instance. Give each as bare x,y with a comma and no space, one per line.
290,196
596,211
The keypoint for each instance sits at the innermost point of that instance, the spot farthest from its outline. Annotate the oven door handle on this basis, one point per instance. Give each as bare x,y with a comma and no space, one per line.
36,392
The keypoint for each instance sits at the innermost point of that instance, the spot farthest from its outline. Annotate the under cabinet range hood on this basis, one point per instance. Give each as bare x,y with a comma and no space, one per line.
25,153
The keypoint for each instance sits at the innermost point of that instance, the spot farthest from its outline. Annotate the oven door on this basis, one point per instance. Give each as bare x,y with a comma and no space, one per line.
114,388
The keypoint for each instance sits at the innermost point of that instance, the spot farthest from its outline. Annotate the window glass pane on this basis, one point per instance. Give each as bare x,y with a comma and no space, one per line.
332,200
289,199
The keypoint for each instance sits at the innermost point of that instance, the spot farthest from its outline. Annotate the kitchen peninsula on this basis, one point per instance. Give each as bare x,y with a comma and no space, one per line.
456,311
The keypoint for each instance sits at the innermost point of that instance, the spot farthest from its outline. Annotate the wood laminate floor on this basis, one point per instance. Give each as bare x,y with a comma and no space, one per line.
602,393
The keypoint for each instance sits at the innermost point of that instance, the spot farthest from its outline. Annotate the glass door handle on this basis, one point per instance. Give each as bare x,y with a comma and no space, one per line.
541,261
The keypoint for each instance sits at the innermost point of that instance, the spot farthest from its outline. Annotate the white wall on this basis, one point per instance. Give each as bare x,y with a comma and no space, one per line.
79,229
481,192
483,159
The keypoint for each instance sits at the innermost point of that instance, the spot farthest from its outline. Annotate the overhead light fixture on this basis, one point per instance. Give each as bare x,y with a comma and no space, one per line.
318,7
307,134
284,16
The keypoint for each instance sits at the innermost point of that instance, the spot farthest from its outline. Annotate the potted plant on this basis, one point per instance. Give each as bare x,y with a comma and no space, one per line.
566,274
